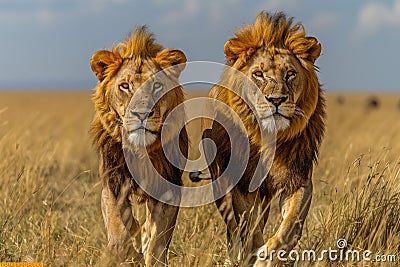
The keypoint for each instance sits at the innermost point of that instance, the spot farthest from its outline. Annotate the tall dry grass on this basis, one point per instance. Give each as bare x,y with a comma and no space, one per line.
49,186
49,189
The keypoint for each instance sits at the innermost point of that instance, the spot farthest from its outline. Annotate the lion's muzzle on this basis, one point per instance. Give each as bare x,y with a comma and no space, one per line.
276,100
142,115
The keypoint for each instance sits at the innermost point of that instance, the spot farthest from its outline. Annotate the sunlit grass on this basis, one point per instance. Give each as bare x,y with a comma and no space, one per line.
50,191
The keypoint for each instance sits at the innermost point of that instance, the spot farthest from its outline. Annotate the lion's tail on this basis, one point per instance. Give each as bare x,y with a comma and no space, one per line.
197,176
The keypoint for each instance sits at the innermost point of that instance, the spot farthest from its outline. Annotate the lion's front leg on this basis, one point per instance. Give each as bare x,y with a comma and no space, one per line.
294,209
224,206
248,214
160,222
120,224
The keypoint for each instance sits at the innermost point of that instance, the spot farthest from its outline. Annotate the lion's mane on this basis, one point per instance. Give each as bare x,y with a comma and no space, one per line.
297,146
107,127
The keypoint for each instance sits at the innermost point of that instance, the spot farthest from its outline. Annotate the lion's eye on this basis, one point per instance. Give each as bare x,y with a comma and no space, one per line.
258,74
290,74
124,87
157,85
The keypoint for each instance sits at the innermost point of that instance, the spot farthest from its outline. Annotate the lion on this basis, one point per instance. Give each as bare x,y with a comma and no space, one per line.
138,88
275,56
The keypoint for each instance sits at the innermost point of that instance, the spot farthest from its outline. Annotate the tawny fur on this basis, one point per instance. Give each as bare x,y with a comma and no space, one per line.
296,147
106,126
120,191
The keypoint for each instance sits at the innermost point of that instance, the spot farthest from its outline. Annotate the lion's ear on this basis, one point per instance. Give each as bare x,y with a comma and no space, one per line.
231,51
100,62
234,49
171,57
313,49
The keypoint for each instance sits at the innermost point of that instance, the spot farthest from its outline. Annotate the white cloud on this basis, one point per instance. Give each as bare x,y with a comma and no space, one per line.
376,16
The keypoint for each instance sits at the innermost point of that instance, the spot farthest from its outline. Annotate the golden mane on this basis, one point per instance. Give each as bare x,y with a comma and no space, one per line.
136,62
302,138
141,44
273,31
275,41
106,127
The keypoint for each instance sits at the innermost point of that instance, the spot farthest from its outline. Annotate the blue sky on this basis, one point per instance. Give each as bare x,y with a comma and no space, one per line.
48,43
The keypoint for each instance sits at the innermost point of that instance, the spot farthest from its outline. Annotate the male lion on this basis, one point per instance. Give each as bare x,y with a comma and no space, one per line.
277,58
138,88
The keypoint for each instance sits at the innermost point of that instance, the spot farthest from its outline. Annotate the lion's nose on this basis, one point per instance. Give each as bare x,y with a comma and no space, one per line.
276,100
142,115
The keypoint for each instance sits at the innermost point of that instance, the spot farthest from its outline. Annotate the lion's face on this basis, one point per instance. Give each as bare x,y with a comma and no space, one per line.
279,77
279,58
141,92
137,86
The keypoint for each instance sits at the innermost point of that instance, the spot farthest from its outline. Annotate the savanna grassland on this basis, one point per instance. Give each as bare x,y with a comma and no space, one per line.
50,190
